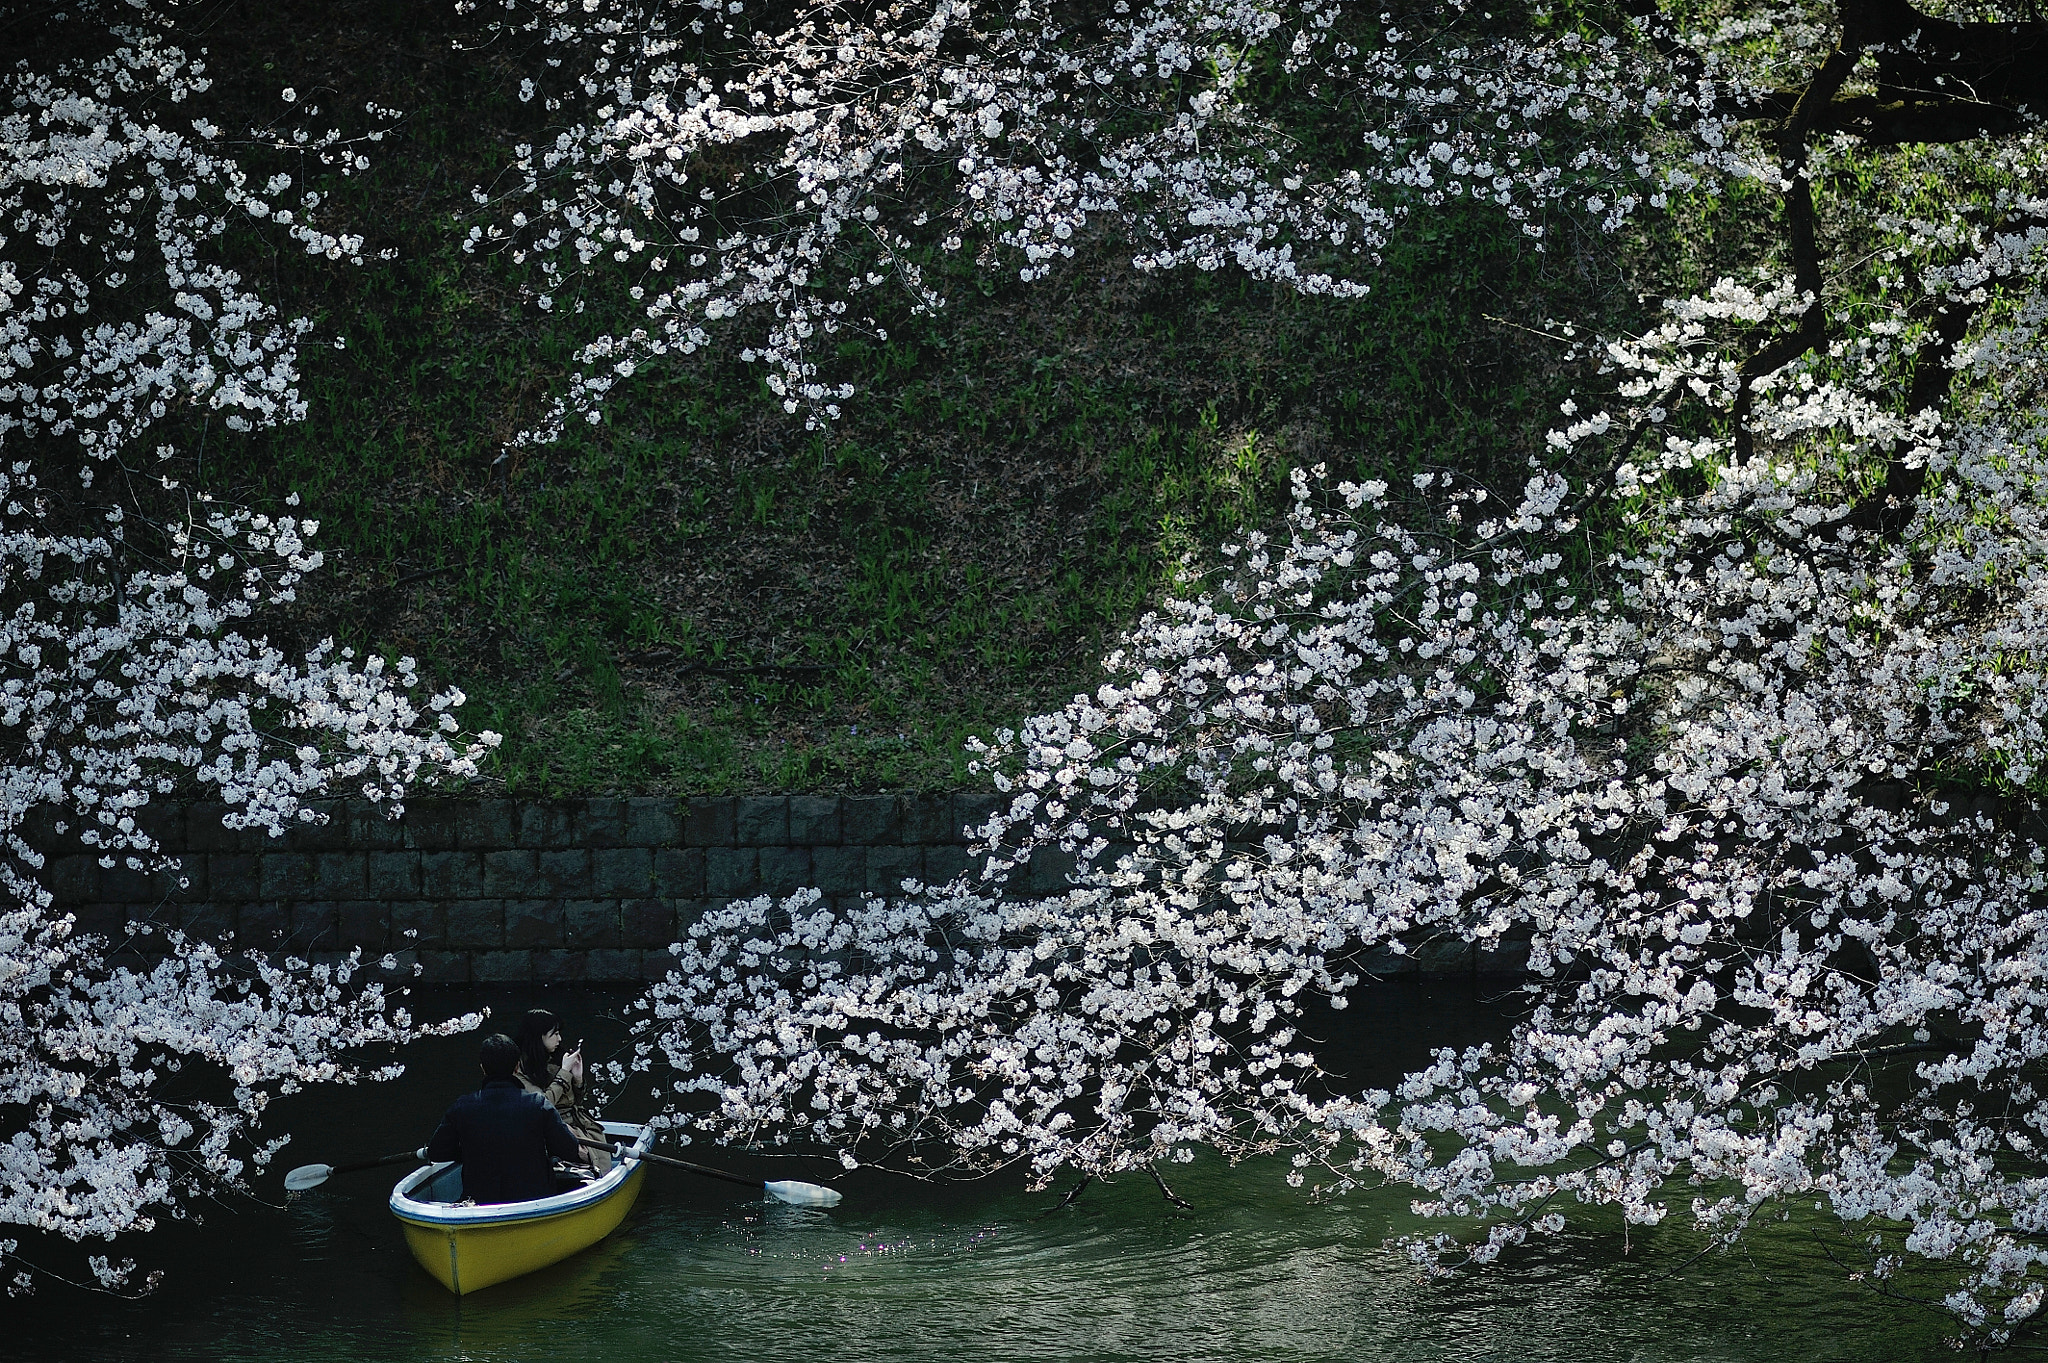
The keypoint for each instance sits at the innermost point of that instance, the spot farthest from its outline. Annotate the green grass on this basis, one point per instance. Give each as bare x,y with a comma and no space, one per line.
700,596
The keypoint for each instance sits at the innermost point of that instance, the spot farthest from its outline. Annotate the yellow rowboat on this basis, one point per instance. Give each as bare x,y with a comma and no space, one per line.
471,1247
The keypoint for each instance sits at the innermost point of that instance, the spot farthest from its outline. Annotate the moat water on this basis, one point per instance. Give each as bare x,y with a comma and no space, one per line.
907,1271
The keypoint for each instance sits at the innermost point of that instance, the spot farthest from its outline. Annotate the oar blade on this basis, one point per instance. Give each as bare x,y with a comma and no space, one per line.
307,1176
802,1194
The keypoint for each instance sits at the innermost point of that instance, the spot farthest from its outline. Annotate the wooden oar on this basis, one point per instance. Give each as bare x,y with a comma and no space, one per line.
796,1193
313,1175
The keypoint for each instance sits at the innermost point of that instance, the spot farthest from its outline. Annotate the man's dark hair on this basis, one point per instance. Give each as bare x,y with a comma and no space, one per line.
500,1056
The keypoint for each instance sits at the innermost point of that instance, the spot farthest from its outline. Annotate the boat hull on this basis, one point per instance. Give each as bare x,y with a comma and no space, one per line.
470,1248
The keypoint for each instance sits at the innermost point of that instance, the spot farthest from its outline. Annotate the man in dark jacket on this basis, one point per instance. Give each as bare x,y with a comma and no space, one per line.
503,1135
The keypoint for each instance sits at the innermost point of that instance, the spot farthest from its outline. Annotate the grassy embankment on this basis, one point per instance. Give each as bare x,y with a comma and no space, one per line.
699,596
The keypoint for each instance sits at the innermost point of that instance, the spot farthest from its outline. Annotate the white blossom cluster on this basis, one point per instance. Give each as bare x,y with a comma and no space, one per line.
114,192
710,164
135,1091
131,664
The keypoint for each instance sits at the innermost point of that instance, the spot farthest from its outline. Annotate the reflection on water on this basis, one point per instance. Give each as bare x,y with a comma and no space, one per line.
906,1271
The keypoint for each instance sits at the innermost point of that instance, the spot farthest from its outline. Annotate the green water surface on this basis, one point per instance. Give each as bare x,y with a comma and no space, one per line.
903,1270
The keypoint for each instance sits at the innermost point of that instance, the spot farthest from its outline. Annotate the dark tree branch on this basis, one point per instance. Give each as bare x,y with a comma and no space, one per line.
1922,59
1598,484
1937,80
1890,508
1070,1198
1799,223
1167,1192
1951,120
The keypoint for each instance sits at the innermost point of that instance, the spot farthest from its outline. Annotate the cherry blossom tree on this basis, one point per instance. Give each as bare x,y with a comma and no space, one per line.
1733,713
725,166
133,666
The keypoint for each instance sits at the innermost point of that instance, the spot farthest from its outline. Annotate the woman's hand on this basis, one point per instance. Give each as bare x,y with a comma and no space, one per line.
572,1065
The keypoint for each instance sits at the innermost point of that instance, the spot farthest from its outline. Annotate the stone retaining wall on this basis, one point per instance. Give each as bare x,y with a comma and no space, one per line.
518,892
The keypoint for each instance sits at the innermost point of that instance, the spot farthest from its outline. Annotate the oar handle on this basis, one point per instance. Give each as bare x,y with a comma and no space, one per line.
740,1179
402,1157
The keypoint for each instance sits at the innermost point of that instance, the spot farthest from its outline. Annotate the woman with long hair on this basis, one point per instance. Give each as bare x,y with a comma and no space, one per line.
539,1038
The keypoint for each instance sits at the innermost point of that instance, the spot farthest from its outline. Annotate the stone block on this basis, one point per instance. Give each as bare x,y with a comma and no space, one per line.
315,926
444,967
339,875
732,872
233,875
840,870
558,967
545,823
421,924
942,864
785,870
262,924
484,825
591,923
647,923
762,821
560,873
393,875
108,920
972,811
814,821
400,971
73,880
711,823
512,874
187,880
533,923
1443,956
621,871
1505,958
325,831
151,935
679,872
123,884
203,830
889,867
600,822
476,924
430,826
165,823
452,875
372,829
208,921
286,875
501,967
364,923
869,820
1387,961
688,911
38,828
1050,868
654,821
612,966
927,819
656,965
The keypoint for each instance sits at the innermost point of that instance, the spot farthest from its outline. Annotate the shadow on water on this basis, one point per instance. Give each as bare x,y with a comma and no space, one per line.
907,1271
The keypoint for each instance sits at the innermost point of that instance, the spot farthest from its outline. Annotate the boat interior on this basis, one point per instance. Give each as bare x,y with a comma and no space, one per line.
446,1186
